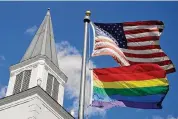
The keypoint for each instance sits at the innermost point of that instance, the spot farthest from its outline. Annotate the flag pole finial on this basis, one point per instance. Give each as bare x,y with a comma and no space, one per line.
88,13
87,17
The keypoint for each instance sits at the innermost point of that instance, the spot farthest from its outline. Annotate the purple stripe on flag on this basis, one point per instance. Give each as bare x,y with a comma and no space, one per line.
141,105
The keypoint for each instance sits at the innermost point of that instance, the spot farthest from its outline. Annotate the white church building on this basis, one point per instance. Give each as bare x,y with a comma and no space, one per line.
36,85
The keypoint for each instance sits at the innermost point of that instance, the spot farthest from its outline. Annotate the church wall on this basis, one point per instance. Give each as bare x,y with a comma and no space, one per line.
11,85
32,107
45,76
44,111
17,110
47,112
33,79
61,84
39,76
13,73
61,94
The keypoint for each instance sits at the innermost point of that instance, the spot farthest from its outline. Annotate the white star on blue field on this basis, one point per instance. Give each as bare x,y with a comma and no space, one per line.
20,20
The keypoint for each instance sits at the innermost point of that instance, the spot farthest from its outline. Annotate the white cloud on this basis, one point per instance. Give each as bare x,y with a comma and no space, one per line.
2,57
157,117
168,117
139,110
70,62
3,91
31,30
171,117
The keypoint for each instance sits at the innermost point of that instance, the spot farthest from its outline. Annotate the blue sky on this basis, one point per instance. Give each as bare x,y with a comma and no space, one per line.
19,20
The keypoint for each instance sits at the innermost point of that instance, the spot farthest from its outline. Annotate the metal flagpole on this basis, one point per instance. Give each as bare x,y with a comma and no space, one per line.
83,73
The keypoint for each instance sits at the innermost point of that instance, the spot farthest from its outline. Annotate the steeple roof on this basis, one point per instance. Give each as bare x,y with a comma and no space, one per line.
43,43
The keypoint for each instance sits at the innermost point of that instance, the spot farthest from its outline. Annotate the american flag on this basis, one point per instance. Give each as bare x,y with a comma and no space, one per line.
131,43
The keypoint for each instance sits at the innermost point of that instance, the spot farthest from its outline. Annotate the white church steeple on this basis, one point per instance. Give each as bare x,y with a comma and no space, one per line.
39,65
43,42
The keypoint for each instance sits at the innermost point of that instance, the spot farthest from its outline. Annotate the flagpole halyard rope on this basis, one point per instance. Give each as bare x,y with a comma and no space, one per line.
89,58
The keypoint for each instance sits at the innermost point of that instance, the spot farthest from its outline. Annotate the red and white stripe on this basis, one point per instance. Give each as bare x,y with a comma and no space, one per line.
143,45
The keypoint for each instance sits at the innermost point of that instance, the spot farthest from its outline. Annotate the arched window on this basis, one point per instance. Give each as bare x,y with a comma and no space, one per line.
52,87
22,81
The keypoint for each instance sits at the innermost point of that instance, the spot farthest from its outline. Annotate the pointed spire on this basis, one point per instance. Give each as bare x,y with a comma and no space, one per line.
43,43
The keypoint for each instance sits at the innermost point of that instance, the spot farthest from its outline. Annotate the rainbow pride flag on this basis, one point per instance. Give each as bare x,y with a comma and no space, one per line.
138,86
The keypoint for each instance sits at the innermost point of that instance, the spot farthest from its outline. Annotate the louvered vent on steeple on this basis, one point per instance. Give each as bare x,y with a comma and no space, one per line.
22,81
52,87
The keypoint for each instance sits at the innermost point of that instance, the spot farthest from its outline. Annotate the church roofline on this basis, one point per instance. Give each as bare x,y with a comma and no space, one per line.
46,97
